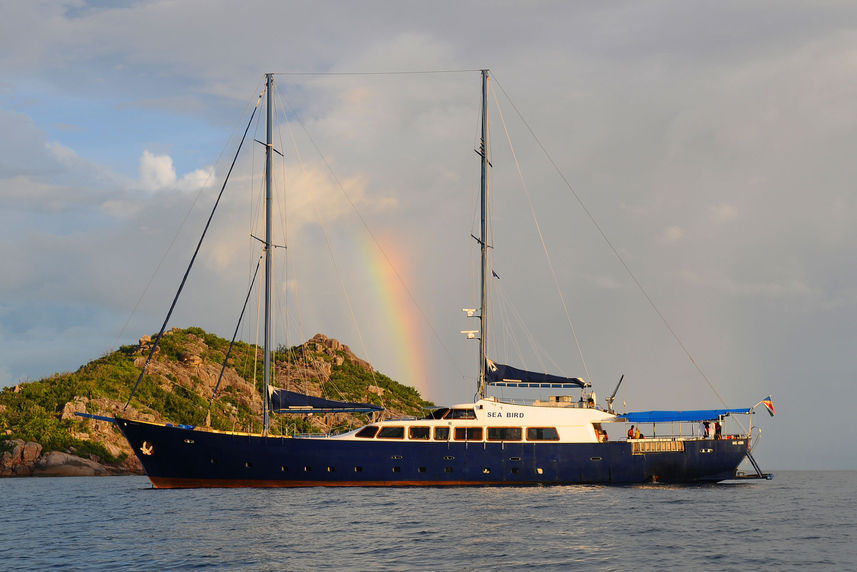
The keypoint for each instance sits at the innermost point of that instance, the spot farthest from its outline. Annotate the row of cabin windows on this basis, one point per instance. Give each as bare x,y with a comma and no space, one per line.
460,433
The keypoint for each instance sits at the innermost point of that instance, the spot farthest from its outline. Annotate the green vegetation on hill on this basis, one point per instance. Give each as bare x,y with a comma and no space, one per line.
178,385
32,411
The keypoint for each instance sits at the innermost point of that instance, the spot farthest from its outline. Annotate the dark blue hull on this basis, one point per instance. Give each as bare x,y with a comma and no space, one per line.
174,457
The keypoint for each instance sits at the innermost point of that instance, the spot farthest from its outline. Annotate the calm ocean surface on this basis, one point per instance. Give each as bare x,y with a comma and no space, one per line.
800,520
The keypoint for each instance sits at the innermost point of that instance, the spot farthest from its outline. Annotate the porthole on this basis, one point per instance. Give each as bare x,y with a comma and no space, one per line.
540,470
397,469
331,469
515,470
594,458
447,469
422,469
449,458
189,441
358,469
396,457
248,464
307,469
284,468
514,458
213,461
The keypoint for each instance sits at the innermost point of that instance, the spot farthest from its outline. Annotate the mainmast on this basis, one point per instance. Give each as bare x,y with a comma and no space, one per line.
268,251
483,240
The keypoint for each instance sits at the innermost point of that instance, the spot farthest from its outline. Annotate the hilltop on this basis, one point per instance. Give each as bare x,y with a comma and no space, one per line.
41,435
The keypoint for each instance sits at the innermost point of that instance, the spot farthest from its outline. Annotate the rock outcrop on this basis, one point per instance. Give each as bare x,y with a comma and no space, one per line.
18,460
25,459
59,464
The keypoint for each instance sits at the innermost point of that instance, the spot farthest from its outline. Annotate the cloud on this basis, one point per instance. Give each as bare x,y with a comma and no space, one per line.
787,288
673,233
157,173
723,213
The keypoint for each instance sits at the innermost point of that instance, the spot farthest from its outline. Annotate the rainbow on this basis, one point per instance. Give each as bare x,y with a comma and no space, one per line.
400,316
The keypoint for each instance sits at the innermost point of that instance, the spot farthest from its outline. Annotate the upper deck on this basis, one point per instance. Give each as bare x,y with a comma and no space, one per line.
492,420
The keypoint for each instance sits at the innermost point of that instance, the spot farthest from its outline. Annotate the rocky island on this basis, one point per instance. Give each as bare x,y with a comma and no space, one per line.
41,435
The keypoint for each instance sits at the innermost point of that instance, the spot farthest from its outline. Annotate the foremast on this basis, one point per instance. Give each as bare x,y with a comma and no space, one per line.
269,84
483,240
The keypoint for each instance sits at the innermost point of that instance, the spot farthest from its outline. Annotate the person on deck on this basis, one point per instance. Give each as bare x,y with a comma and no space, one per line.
631,432
718,430
638,435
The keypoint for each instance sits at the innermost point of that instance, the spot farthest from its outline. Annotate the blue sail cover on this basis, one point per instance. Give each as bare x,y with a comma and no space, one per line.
688,416
283,401
507,376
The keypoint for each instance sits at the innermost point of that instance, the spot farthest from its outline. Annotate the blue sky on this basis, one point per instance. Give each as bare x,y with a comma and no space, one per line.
714,143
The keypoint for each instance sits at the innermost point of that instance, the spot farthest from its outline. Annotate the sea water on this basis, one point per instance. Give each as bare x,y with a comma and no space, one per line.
798,521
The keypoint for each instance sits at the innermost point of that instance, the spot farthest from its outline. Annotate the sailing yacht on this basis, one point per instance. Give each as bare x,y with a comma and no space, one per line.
490,441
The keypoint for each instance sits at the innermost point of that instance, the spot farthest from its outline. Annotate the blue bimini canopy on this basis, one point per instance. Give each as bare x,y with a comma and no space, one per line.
688,416
283,401
508,376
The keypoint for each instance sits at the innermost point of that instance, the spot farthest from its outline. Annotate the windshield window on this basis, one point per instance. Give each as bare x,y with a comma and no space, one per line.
461,414
437,413
367,432
391,433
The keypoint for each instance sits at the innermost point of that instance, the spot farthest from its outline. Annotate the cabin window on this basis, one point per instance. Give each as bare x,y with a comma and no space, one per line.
367,432
542,434
391,433
418,433
504,433
468,433
441,433
461,414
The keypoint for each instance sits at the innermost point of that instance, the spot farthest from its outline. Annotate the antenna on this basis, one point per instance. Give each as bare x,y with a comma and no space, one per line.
613,396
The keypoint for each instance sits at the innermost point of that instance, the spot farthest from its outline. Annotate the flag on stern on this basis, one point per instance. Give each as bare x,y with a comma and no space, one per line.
769,405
